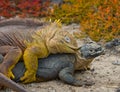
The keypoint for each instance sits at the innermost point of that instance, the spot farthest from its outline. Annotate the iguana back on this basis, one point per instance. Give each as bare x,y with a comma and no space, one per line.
15,31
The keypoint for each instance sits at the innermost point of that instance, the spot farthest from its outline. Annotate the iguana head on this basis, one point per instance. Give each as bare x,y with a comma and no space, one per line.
86,54
91,50
62,42
59,40
56,39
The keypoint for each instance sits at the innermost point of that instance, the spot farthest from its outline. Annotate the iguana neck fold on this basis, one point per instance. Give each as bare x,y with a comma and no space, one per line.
81,62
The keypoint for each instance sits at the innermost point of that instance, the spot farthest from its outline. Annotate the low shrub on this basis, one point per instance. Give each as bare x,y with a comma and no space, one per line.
102,20
99,19
23,8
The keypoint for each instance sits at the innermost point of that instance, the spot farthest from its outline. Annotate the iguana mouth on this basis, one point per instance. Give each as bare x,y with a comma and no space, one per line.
72,47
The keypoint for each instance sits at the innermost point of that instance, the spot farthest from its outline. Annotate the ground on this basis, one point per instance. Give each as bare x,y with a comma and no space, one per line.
104,73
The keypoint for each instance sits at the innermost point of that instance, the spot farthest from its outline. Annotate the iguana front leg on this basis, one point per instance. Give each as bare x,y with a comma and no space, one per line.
66,74
12,56
30,57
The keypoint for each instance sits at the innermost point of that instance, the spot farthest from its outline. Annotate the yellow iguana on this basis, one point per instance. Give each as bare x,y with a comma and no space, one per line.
31,45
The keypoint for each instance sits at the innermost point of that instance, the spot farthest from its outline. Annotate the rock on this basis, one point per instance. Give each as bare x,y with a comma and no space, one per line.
113,43
118,90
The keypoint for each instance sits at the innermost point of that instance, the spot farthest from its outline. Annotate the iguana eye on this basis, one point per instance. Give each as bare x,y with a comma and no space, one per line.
67,39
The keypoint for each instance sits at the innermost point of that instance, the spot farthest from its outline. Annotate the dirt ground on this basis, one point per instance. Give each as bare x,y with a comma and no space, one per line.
104,73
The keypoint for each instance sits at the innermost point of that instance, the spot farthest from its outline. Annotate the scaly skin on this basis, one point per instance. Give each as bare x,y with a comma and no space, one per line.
56,65
19,24
33,45
28,22
61,65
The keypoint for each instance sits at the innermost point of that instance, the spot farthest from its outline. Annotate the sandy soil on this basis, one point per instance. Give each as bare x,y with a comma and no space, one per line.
105,74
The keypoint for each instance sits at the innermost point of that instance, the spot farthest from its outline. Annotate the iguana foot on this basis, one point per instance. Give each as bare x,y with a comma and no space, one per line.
28,77
11,75
6,72
83,83
66,75
12,56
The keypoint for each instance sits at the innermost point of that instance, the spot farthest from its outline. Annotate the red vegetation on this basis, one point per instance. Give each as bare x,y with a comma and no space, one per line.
23,8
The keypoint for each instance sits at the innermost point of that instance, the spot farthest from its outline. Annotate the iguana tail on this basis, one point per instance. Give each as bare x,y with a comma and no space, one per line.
9,83
21,21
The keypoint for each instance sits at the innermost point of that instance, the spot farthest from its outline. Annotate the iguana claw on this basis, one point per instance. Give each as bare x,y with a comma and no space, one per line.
83,83
28,77
10,75
7,73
